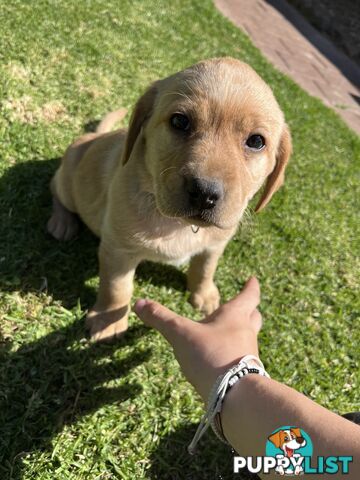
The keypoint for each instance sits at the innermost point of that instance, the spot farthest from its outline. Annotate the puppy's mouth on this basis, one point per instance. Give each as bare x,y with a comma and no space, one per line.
289,451
201,219
190,216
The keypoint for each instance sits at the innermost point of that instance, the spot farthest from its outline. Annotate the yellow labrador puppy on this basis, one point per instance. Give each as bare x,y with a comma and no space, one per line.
200,144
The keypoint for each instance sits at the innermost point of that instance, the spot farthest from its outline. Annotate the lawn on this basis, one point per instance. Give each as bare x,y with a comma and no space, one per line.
70,409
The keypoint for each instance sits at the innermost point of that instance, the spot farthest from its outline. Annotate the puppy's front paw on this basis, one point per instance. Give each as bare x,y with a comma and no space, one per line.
107,326
206,299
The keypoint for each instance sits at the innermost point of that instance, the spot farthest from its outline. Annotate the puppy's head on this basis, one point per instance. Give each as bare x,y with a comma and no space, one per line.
210,136
288,440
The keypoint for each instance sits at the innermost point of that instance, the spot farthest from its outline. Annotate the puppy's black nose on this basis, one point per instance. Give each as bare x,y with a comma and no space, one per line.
300,439
203,194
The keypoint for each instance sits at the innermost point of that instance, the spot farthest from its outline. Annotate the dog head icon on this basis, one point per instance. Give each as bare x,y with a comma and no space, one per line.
288,440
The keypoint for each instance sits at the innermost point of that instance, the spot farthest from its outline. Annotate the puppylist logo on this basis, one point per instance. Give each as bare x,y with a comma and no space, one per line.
289,451
289,446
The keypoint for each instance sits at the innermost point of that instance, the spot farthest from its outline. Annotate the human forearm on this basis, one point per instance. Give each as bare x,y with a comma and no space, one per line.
258,406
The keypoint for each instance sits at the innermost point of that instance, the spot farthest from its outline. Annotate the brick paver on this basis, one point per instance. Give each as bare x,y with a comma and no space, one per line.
297,55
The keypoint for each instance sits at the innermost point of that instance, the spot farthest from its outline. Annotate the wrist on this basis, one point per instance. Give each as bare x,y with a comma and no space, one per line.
240,391
204,387
248,365
239,403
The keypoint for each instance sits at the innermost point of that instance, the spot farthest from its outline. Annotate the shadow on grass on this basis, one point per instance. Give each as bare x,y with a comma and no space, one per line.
30,257
213,460
52,382
55,380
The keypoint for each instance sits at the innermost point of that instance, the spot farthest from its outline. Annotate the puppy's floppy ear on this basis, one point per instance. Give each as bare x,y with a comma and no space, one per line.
276,177
141,113
296,431
275,439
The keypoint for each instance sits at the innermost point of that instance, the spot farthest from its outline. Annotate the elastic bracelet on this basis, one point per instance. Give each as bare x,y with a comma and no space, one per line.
247,365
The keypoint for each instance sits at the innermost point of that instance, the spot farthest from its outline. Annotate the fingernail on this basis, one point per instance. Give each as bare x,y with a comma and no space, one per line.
139,305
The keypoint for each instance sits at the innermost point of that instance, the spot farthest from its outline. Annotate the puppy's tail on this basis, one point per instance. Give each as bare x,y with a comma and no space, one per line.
110,119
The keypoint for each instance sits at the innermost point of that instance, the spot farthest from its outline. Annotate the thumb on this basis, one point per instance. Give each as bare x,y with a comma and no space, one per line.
156,315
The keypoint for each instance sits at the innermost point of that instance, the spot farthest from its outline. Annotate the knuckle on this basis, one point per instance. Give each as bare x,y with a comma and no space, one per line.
258,316
153,309
175,321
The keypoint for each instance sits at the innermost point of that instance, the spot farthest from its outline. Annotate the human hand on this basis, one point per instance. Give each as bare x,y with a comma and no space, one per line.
208,348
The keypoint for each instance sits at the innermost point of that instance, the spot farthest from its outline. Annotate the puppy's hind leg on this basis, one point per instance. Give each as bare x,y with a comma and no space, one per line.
63,224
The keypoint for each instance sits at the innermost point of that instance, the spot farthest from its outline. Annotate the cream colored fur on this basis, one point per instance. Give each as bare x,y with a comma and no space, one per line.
128,186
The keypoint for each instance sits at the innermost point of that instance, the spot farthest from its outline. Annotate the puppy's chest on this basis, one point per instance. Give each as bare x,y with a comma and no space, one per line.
174,247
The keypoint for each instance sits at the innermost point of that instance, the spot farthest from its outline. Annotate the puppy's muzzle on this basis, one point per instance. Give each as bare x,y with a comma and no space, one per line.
203,194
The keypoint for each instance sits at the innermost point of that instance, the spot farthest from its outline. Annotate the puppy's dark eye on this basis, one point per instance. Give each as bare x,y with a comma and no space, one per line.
180,121
256,142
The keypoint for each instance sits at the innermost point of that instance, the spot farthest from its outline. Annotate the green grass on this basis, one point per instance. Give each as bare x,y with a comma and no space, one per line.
73,410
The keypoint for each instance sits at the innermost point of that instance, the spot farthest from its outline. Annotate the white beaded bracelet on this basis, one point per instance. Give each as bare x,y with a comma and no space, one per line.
247,365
